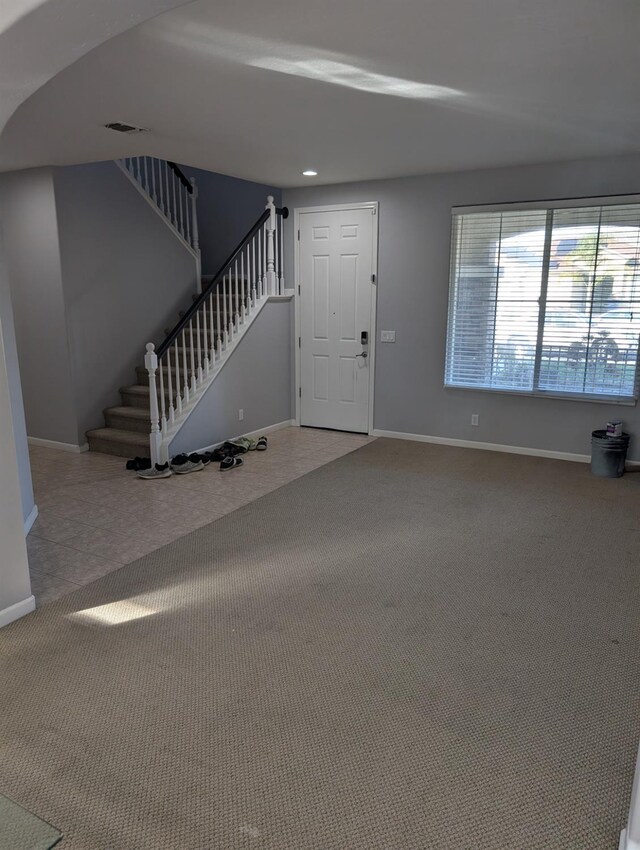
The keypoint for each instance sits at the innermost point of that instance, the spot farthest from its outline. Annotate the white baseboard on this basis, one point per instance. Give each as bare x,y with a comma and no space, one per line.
491,447
54,444
19,609
28,523
260,431
627,843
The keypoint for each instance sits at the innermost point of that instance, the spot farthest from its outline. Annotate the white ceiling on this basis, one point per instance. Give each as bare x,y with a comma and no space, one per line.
356,89
38,38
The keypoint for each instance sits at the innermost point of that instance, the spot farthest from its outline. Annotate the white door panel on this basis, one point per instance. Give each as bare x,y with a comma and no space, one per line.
336,296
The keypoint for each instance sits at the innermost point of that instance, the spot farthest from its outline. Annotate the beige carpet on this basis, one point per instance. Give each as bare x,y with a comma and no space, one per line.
412,648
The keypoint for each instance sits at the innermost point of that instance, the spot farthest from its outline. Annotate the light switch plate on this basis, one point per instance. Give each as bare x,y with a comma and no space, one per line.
387,336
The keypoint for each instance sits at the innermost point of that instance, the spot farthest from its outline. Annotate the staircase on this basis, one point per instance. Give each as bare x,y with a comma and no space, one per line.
175,375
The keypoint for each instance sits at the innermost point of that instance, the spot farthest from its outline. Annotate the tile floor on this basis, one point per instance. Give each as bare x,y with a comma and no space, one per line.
94,516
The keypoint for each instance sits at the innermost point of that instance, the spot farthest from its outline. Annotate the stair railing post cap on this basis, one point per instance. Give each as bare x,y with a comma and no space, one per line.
150,347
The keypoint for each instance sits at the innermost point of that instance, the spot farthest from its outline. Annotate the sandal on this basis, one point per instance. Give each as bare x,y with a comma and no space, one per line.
230,463
261,445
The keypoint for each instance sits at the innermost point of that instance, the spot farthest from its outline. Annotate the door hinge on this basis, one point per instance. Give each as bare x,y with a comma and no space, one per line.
300,392
373,278
299,342
298,235
298,290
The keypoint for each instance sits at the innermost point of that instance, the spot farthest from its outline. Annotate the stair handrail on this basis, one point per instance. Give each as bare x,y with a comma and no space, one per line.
181,176
217,278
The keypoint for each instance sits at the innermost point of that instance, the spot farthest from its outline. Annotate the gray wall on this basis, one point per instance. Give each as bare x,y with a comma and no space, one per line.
125,278
14,567
257,378
227,208
15,393
413,279
29,222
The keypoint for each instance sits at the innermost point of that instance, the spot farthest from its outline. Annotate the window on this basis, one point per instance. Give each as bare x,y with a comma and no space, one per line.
546,300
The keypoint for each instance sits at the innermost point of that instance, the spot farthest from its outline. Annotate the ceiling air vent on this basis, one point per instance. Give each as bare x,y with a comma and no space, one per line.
119,127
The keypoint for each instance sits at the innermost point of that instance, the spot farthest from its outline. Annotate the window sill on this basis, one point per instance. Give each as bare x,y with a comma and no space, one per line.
611,400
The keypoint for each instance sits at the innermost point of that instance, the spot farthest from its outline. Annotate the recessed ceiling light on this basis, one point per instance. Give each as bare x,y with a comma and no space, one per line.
309,173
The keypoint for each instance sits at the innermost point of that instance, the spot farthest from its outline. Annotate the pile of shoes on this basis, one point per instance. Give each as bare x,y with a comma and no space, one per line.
228,454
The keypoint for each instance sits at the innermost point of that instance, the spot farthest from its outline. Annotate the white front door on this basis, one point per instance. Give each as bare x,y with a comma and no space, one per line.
336,265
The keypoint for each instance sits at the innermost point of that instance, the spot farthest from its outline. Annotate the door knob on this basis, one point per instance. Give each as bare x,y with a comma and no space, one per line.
363,354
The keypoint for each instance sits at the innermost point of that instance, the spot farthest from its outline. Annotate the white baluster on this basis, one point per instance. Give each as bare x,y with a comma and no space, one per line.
193,358
219,319
174,209
204,312
199,338
212,333
187,216
163,414
145,164
176,357
242,307
237,301
155,438
167,196
254,271
225,336
248,280
265,291
185,373
153,180
172,410
180,188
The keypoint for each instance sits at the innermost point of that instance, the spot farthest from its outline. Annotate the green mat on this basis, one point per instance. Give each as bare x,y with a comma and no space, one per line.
20,830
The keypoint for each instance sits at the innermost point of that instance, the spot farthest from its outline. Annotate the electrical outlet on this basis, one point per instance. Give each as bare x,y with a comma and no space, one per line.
241,415
474,419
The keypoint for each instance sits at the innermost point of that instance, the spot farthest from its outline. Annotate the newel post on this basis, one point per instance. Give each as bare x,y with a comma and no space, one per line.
195,236
155,438
272,286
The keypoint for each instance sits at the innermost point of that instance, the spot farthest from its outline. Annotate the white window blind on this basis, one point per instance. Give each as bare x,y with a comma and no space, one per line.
546,301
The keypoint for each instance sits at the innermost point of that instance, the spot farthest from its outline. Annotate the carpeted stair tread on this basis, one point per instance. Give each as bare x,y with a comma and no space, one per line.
119,435
131,412
136,389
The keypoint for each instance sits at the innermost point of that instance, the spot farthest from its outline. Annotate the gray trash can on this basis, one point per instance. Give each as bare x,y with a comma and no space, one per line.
608,454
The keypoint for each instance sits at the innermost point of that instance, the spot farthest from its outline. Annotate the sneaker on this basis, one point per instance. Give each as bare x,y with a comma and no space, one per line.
157,471
261,445
139,463
230,463
182,464
216,454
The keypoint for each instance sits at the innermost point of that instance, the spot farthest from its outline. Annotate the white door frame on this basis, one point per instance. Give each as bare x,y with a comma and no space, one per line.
297,212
